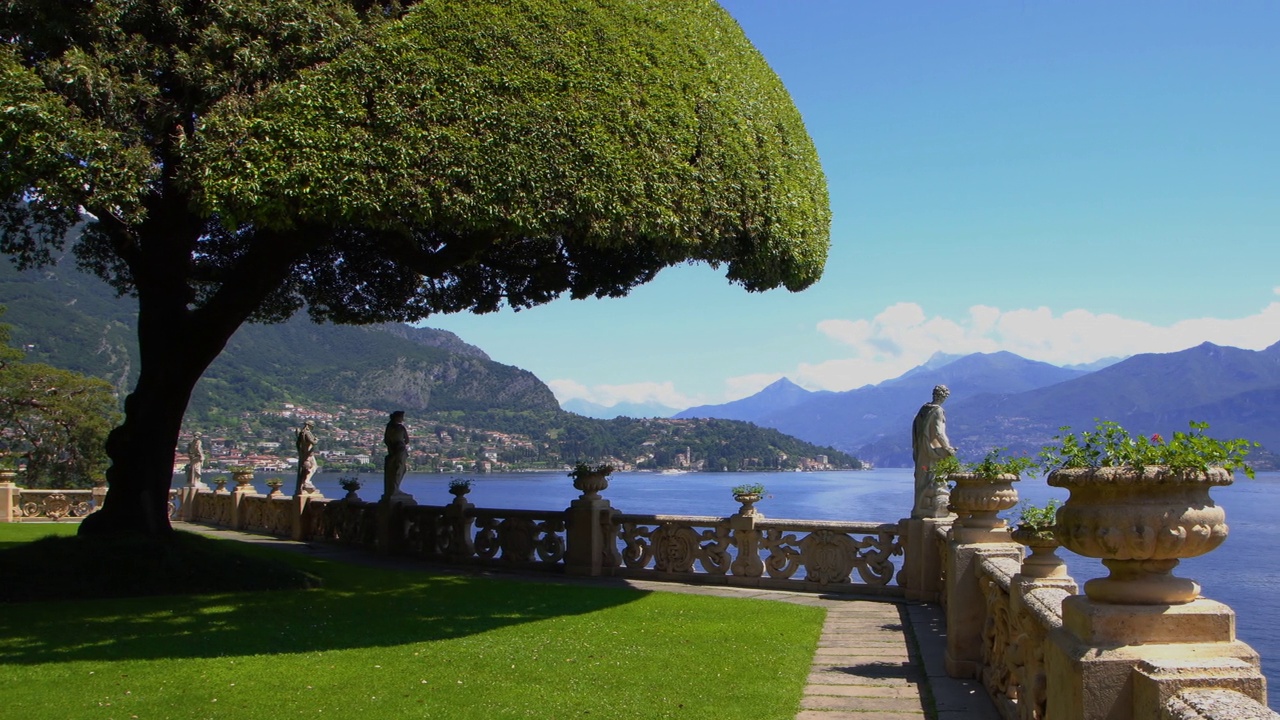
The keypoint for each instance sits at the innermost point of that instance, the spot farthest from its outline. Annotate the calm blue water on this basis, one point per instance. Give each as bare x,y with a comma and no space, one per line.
1243,573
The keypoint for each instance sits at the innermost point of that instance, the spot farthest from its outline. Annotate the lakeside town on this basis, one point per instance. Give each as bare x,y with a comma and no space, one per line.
351,440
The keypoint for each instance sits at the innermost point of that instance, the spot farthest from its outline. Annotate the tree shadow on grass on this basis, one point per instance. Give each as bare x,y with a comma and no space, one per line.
356,607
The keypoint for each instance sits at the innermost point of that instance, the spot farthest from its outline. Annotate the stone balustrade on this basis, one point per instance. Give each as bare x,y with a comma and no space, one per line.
1016,624
751,550
18,503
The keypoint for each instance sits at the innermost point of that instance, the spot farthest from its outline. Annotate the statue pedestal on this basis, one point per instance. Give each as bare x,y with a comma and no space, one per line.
387,515
587,544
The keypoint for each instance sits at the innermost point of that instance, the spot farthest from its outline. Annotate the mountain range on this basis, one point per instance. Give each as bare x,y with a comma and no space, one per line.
1003,400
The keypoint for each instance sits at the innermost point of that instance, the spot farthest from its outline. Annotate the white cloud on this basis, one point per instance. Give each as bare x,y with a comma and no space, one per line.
742,386
664,393
904,336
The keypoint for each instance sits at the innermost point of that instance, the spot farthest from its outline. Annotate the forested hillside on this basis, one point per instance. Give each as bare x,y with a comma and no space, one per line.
65,318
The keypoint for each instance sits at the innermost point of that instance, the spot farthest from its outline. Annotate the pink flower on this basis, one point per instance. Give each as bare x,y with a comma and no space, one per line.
1157,439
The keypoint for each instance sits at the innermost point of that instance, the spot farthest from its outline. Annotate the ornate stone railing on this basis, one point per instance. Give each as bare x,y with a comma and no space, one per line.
749,550
269,515
37,504
1020,613
54,504
1001,657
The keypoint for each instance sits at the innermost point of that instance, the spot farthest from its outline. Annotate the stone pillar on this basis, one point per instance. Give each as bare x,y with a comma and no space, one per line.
298,507
921,573
241,491
586,542
1111,661
187,503
742,524
457,518
9,495
387,516
98,495
966,605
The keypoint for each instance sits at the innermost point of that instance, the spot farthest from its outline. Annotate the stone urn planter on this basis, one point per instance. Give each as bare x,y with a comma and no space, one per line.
748,501
351,485
8,477
243,478
275,484
591,480
459,490
1140,523
1043,560
978,499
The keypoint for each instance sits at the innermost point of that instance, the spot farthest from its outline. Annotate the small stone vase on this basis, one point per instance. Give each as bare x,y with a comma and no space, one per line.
591,485
1140,524
748,501
1043,562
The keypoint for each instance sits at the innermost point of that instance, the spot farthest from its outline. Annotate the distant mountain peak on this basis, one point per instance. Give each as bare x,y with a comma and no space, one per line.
782,384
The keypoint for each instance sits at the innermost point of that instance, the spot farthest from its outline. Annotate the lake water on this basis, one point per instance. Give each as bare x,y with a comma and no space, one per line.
1243,573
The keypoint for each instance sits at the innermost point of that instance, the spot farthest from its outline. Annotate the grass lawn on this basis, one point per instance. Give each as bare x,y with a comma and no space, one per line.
373,643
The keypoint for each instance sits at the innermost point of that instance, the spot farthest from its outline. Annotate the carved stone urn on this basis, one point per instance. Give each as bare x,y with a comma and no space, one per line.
1140,524
1043,561
748,501
243,478
591,484
351,486
459,492
977,501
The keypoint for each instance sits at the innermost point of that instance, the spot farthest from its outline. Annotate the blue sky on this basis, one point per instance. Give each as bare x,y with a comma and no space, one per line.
1064,180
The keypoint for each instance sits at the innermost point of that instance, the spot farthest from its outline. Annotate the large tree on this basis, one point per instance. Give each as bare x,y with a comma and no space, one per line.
371,161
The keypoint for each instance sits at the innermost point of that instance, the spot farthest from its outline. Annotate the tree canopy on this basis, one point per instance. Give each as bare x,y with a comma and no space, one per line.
375,161
52,421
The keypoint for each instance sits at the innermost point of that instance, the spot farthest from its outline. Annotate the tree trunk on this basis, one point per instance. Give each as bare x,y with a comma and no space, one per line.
141,449
176,344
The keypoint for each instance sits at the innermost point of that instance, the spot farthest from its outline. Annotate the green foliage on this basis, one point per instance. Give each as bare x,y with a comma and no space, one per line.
460,484
507,151
993,465
748,489
578,145
944,468
1110,445
1038,517
582,470
54,422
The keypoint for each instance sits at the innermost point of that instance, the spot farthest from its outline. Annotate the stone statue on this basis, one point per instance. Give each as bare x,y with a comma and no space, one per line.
195,461
929,443
396,439
306,444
